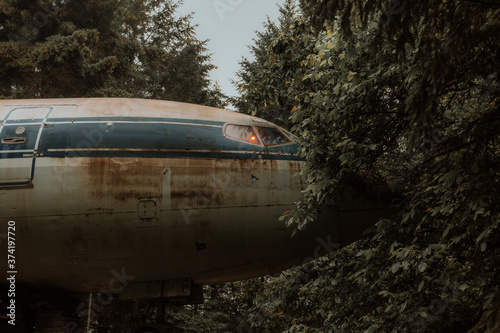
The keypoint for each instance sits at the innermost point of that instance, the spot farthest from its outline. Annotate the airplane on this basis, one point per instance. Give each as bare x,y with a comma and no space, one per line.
152,199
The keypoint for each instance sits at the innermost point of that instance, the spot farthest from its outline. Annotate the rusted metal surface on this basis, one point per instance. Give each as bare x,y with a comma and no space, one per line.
208,219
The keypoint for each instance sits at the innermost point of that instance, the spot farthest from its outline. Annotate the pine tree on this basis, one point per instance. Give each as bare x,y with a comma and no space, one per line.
126,48
264,94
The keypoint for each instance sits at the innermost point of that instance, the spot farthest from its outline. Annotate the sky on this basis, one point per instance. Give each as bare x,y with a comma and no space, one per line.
230,27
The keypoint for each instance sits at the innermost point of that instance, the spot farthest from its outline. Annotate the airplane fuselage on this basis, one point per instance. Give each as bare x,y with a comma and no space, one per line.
162,190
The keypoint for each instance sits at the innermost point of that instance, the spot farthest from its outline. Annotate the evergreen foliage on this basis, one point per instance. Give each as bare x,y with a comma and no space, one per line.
407,91
264,91
112,48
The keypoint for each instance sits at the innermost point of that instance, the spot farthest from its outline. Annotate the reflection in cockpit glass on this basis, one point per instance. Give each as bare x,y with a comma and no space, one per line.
272,136
241,132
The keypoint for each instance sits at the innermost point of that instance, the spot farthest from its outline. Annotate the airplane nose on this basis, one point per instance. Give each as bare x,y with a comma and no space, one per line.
363,200
360,203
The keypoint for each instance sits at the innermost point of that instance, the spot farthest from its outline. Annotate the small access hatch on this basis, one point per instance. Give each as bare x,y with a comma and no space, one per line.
146,209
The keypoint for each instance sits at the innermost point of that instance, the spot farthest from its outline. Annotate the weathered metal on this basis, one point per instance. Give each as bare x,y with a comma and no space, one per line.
156,188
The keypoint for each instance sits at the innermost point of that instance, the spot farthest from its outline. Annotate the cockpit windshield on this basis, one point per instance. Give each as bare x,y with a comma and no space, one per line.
242,133
272,136
259,135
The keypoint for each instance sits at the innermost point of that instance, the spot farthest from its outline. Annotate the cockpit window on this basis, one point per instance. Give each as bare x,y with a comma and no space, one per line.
243,133
272,136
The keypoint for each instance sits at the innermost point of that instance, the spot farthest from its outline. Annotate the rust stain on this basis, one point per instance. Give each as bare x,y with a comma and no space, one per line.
139,179
191,183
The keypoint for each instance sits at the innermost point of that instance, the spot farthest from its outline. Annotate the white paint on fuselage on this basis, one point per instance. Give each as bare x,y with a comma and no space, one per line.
208,219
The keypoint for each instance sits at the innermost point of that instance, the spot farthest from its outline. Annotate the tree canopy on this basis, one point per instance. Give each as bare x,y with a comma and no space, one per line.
407,91
112,48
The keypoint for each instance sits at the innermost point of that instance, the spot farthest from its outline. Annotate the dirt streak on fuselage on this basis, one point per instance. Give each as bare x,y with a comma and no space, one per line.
164,189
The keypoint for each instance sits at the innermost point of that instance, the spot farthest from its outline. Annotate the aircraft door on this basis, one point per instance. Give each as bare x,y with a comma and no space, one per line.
20,133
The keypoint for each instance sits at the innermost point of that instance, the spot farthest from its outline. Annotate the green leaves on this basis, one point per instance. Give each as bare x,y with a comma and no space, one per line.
104,48
422,267
408,102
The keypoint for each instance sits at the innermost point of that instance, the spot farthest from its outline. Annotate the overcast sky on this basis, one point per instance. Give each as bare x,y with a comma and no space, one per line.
230,26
